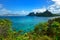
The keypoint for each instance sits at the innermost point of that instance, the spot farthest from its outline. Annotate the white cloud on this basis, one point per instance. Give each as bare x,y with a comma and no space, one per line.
4,11
21,13
56,2
9,12
39,10
55,8
24,12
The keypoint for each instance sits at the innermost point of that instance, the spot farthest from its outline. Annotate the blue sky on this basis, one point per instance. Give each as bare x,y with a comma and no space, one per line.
25,6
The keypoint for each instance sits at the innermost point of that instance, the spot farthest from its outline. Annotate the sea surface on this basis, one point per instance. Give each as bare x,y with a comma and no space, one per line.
25,23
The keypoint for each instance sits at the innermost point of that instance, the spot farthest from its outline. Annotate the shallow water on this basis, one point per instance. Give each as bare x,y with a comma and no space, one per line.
25,23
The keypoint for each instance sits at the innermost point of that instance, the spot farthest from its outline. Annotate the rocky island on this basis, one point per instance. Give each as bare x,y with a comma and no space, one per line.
44,14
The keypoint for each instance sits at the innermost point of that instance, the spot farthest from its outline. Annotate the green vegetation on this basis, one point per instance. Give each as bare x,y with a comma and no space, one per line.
43,31
4,28
44,14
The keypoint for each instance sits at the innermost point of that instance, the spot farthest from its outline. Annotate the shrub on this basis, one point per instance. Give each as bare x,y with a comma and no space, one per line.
5,26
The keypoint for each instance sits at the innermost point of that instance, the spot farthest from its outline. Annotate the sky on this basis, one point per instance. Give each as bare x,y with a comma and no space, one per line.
23,7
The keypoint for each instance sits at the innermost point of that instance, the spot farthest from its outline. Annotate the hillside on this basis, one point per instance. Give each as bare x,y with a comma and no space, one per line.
44,14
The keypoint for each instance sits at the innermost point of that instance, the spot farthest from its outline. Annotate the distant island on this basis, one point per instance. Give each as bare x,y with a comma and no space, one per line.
8,14
44,14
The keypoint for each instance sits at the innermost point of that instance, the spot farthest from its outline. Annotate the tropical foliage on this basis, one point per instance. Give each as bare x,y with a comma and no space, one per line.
42,31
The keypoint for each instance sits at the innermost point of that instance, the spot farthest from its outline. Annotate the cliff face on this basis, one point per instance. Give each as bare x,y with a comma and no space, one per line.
31,14
44,14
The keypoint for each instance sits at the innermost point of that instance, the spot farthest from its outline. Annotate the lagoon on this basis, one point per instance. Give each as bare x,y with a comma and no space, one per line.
25,23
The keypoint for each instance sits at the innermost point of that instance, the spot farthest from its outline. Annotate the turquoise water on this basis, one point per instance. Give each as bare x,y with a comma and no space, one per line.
25,23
